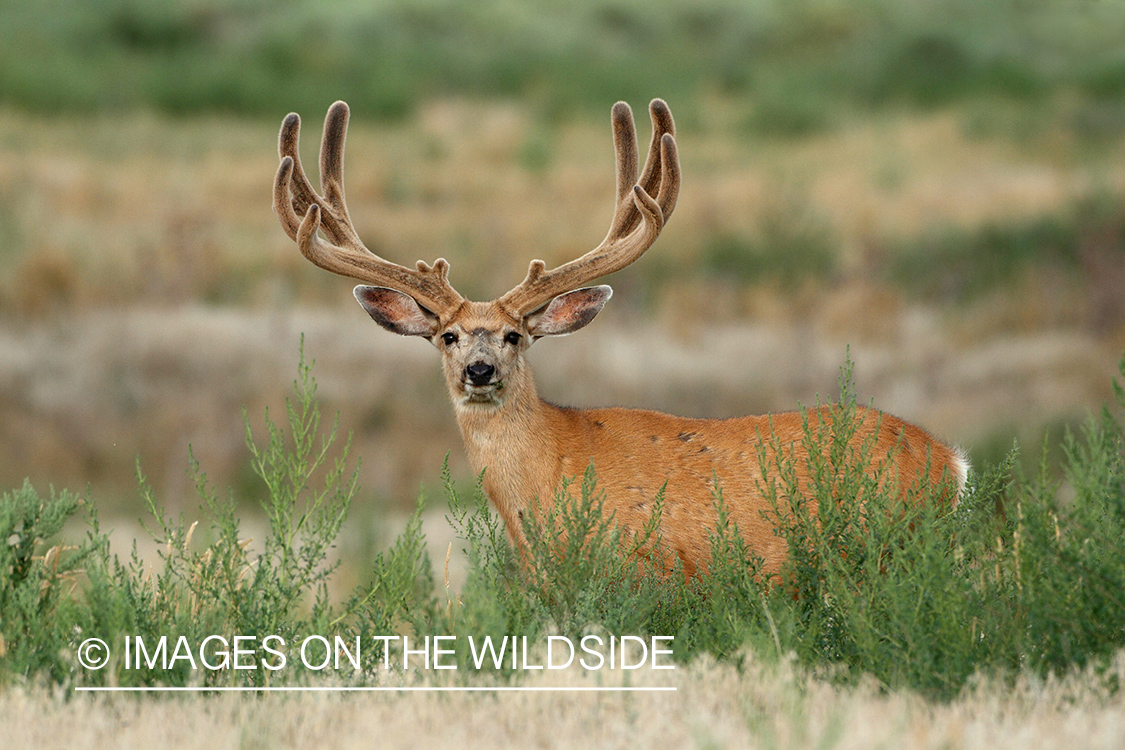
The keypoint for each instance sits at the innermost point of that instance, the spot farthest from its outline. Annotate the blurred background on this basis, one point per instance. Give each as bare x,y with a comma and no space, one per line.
934,186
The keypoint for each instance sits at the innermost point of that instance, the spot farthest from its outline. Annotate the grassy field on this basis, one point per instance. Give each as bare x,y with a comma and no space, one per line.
933,189
987,266
849,656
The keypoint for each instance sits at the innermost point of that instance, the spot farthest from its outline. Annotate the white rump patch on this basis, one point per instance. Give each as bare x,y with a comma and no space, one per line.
961,466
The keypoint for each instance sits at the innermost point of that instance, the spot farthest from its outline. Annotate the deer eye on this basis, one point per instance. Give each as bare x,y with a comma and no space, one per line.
449,338
512,338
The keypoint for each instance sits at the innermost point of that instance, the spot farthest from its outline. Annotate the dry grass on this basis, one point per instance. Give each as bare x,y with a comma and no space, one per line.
82,401
714,706
147,292
132,209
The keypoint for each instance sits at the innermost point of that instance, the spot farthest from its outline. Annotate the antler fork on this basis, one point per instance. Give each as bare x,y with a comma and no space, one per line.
345,253
637,220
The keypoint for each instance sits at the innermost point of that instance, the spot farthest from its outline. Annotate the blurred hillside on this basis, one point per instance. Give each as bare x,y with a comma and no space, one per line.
802,61
936,184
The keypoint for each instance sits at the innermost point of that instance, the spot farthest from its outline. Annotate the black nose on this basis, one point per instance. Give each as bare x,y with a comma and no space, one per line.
480,373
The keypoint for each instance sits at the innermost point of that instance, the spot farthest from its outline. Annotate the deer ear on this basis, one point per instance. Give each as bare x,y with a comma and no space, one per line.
568,312
395,311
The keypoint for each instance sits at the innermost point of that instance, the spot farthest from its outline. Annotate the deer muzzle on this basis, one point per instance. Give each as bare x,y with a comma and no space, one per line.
479,373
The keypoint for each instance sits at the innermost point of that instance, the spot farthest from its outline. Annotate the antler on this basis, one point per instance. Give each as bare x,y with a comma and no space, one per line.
637,221
345,254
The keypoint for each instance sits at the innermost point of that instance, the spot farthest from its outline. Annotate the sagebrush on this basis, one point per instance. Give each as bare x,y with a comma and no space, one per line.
1025,575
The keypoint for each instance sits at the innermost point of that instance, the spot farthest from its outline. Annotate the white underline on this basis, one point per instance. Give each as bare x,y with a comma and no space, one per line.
323,689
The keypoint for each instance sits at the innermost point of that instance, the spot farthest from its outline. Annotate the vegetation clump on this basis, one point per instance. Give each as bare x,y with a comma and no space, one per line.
1023,576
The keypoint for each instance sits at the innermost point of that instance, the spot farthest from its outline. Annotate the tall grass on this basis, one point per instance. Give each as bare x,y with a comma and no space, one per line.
1024,576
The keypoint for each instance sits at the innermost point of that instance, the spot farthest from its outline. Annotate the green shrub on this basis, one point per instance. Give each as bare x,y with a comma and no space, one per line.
38,574
792,244
1065,561
1083,241
913,595
227,587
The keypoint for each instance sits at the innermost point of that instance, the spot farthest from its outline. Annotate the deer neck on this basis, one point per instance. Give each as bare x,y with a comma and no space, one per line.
513,443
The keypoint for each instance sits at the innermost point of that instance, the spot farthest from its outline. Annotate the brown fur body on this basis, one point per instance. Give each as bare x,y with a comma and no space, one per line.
527,450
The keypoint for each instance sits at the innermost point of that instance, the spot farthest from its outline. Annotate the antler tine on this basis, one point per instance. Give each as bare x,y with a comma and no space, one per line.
638,218
624,138
345,254
332,158
335,223
662,123
625,150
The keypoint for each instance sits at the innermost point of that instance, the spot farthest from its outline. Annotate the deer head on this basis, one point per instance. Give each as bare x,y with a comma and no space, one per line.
481,343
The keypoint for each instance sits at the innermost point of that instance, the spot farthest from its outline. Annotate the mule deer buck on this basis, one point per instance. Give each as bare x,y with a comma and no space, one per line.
526,447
